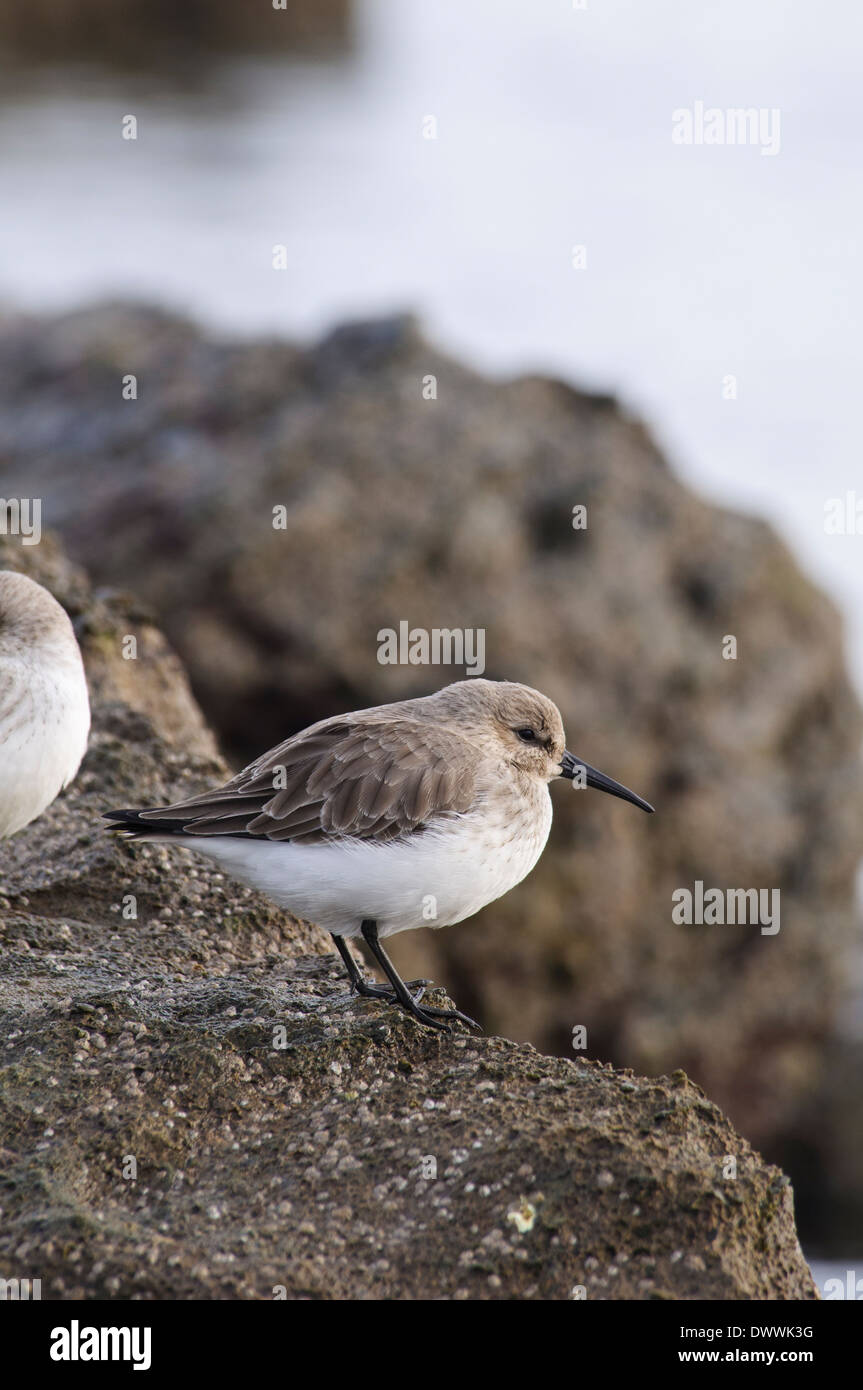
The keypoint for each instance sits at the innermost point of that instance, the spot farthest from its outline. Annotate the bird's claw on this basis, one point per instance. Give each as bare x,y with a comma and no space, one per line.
456,1015
439,1019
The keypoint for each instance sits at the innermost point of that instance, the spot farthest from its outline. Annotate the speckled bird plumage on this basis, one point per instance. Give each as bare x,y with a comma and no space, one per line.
44,706
415,801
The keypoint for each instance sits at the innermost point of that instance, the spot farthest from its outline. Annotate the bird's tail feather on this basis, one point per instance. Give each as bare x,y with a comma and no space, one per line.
131,825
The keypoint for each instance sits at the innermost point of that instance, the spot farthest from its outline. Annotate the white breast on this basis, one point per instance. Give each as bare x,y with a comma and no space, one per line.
44,723
432,879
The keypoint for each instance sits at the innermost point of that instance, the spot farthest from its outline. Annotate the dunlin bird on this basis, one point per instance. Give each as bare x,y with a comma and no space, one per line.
407,815
44,708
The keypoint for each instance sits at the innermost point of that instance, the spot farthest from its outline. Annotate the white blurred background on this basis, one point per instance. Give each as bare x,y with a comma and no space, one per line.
553,130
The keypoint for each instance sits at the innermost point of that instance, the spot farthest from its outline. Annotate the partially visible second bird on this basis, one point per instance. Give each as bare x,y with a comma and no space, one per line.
44,706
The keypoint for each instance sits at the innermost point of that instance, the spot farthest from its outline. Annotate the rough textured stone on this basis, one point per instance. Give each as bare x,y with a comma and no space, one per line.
303,1159
456,512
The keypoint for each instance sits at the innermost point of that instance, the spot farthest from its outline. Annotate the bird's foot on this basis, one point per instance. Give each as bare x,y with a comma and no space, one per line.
439,1019
452,1014
386,992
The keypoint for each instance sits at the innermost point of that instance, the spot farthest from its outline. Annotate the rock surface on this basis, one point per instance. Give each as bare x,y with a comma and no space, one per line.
192,1105
457,512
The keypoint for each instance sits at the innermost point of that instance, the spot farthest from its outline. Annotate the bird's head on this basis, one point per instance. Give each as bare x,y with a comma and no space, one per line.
529,729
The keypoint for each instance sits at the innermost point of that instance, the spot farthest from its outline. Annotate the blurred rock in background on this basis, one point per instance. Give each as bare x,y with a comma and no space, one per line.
456,512
123,31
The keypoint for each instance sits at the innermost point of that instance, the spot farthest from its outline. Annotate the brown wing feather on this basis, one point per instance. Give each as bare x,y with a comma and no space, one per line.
376,779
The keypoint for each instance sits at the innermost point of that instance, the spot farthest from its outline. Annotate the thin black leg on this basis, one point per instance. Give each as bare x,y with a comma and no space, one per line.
363,987
402,994
350,964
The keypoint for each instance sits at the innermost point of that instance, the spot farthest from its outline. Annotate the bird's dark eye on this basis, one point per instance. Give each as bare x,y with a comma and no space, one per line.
526,735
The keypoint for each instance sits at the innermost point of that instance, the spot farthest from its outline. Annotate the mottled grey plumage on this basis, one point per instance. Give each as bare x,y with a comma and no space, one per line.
364,778
376,774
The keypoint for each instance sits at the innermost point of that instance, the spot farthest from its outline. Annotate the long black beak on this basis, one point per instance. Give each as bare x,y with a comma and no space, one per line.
572,767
